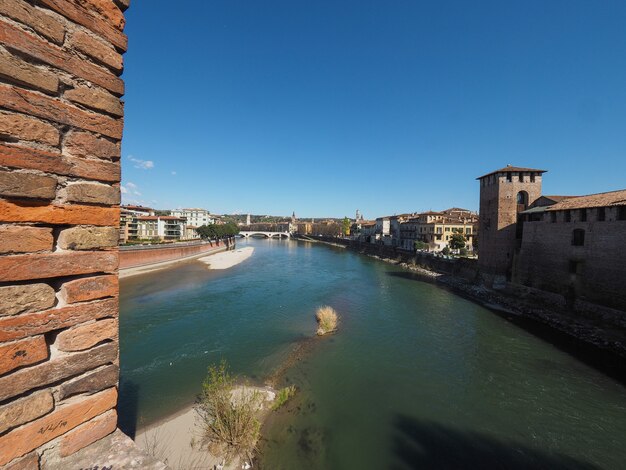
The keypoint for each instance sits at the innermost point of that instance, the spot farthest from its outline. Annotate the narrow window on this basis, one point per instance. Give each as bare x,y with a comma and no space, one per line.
553,216
601,214
621,213
578,237
568,216
574,267
532,177
583,215
521,177
509,177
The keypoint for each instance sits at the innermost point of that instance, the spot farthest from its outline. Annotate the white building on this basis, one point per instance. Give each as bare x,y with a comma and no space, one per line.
195,217
161,227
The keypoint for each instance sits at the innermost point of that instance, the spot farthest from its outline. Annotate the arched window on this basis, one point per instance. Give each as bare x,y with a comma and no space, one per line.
522,201
578,237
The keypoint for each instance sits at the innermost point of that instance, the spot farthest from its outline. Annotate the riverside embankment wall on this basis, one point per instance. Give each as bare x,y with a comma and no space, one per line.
131,257
61,120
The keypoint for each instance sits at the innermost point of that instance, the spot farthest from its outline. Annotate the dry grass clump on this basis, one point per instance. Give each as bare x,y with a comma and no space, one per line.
229,424
327,319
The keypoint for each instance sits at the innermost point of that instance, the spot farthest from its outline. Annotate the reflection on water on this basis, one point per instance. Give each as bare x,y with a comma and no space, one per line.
416,377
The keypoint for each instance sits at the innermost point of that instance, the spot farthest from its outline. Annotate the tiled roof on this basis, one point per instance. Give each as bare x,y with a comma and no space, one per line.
512,169
612,198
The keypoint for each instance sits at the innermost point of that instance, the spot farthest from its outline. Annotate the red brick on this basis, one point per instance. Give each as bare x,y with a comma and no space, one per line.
25,409
21,126
18,184
91,193
97,50
15,69
34,18
80,15
25,239
75,214
90,288
88,238
29,324
108,10
85,336
22,353
53,162
30,45
27,438
96,99
46,265
25,298
85,144
36,104
29,462
56,370
91,382
88,433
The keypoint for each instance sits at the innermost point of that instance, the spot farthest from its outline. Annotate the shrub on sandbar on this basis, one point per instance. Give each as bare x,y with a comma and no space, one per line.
326,320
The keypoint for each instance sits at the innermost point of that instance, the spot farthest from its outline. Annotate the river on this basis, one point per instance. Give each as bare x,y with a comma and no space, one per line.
416,377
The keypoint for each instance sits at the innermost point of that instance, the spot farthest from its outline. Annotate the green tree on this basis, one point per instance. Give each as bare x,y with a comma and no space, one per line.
457,241
446,250
345,227
420,245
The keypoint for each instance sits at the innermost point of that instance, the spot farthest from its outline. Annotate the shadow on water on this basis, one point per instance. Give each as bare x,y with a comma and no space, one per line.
603,360
127,408
423,444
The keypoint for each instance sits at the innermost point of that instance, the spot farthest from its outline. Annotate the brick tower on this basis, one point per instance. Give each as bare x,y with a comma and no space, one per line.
504,194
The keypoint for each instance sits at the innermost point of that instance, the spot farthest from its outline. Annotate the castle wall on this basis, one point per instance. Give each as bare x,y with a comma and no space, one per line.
593,273
61,122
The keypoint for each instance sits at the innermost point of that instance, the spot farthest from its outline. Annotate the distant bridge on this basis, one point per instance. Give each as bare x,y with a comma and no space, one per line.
258,233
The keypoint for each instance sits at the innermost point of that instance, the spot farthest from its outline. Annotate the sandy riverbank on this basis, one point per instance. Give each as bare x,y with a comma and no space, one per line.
227,259
175,439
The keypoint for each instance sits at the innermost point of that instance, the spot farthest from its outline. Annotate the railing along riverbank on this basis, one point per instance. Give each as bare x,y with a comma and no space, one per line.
145,255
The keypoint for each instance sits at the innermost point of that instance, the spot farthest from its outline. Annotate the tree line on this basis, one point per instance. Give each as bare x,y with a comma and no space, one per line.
218,231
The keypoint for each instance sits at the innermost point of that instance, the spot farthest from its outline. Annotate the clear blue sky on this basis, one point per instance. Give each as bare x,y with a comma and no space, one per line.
324,107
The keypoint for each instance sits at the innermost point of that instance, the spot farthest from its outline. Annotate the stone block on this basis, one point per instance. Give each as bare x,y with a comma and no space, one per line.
25,239
15,184
26,298
85,336
25,127
97,50
88,238
54,162
90,288
46,265
12,37
96,99
17,70
46,107
25,409
30,324
23,440
22,353
91,382
52,371
75,214
78,13
88,433
85,144
91,193
35,18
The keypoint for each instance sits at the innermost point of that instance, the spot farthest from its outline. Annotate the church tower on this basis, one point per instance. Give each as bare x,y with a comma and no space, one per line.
504,194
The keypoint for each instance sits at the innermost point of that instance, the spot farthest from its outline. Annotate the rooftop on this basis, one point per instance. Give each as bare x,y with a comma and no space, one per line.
512,169
612,198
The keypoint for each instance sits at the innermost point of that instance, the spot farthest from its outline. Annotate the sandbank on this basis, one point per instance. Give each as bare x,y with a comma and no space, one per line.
227,259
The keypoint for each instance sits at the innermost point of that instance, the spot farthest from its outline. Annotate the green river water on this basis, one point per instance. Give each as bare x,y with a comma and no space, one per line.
416,377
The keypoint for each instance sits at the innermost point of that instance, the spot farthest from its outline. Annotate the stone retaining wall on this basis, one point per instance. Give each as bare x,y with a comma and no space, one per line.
61,120
130,258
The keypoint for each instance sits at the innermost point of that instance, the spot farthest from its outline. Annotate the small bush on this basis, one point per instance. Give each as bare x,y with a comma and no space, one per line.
283,396
445,251
326,320
229,423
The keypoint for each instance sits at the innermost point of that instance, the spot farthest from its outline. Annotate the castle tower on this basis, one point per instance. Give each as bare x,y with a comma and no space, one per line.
504,194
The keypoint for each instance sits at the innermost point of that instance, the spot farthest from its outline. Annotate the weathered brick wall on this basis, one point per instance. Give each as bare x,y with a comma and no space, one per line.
130,258
546,259
60,131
